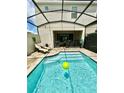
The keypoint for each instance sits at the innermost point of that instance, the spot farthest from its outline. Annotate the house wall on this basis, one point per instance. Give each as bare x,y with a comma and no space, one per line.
91,29
46,32
30,42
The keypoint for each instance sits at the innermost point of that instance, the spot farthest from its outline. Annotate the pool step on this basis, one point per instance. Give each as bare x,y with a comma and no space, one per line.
70,53
64,59
65,56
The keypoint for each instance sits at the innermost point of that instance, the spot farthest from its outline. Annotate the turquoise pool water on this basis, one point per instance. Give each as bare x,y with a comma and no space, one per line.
50,77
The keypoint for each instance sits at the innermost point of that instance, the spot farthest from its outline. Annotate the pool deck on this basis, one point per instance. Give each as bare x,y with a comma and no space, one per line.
34,59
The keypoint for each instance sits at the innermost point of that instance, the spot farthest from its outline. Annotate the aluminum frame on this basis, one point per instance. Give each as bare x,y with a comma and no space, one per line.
84,10
81,13
62,21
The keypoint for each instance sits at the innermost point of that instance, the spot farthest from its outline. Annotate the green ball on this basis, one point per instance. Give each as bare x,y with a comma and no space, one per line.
65,65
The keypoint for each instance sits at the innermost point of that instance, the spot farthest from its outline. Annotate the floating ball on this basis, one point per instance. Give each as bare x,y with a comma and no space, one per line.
65,65
66,75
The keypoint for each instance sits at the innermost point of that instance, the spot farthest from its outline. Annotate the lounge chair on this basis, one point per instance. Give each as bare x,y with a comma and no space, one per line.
44,47
41,49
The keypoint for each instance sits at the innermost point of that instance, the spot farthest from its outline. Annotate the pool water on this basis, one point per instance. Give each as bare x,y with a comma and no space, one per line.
50,77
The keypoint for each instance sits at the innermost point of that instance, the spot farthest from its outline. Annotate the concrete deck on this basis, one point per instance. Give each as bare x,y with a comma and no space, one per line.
34,59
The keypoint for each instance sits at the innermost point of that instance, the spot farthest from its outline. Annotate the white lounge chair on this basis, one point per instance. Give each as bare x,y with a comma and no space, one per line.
41,49
41,45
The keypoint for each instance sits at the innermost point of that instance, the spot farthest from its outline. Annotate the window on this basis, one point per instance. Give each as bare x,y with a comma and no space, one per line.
64,37
74,14
46,8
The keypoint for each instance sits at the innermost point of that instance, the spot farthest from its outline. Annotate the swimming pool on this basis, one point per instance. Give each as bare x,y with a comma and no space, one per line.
50,77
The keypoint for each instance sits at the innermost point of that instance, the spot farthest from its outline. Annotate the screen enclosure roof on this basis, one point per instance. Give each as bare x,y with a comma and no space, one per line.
53,11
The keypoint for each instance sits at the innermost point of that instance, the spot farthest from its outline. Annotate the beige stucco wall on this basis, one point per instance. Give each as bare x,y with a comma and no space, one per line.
30,42
91,29
46,32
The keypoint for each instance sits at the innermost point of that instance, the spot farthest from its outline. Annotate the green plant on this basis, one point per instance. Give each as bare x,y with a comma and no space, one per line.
34,39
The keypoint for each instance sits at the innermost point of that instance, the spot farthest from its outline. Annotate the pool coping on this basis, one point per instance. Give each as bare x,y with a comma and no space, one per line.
47,55
34,66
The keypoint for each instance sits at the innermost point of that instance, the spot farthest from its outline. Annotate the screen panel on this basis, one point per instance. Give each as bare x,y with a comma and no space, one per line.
31,8
70,16
53,16
49,5
72,5
92,9
84,19
38,20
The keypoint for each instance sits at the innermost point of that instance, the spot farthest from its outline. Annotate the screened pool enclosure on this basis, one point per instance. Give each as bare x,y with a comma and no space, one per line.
68,14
